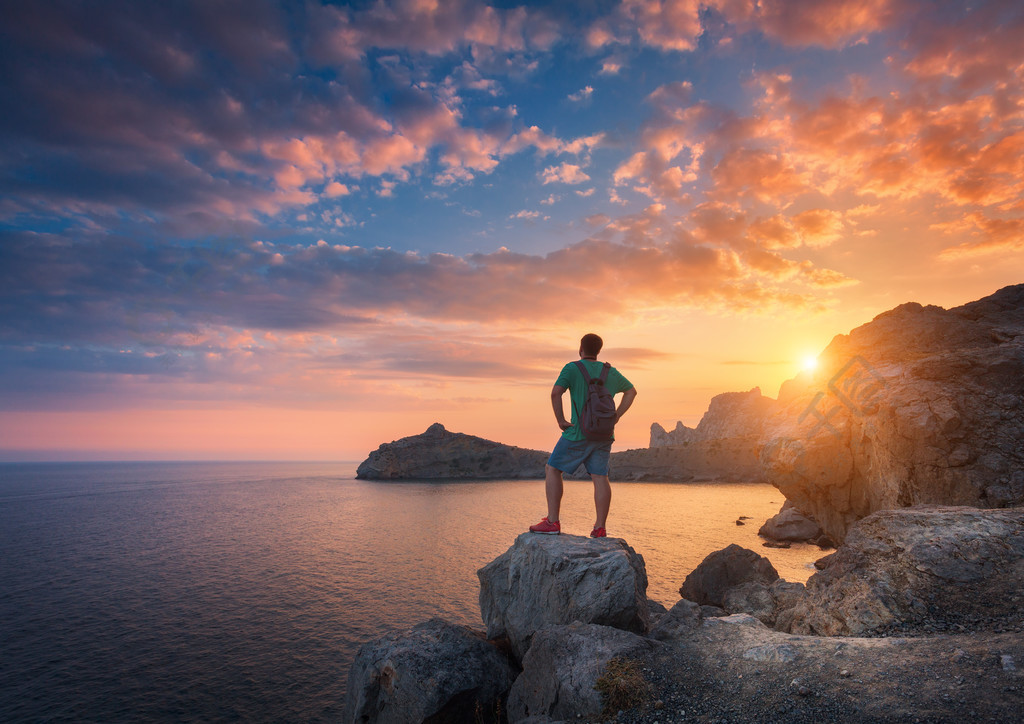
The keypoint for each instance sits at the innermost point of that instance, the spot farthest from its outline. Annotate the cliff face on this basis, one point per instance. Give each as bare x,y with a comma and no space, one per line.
921,405
724,445
439,454
730,415
679,436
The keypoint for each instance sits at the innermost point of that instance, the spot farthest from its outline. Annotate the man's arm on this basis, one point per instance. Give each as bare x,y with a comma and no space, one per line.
627,399
556,404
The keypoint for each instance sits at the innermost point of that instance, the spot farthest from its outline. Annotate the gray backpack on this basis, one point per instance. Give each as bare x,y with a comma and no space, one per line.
597,418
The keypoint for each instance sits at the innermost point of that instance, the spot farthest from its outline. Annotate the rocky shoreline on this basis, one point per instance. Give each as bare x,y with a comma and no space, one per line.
906,452
571,636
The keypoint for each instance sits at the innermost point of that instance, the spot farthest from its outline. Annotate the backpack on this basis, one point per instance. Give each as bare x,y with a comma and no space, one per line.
597,418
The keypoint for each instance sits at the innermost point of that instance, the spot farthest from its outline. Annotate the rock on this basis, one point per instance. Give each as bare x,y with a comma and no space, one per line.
724,569
763,601
789,524
563,665
922,405
735,415
439,454
772,654
544,579
753,598
435,670
732,620
679,436
655,611
913,568
681,619
725,444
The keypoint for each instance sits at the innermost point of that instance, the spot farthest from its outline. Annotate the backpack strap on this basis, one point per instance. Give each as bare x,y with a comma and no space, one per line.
586,375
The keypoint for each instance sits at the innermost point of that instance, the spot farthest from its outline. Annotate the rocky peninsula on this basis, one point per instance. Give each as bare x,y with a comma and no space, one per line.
906,450
724,446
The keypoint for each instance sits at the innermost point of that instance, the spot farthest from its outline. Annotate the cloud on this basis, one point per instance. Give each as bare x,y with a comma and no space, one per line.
986,236
665,24
215,115
825,23
524,214
566,173
582,94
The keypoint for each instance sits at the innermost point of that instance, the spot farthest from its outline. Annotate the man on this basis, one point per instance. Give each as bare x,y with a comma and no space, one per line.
573,449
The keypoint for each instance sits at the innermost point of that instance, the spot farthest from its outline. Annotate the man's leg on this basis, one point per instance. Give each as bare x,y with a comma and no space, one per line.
602,499
553,490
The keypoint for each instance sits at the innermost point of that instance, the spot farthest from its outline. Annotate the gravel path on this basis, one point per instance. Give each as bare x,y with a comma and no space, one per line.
762,676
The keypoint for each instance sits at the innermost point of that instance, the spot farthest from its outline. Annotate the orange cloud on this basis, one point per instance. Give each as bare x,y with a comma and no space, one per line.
566,173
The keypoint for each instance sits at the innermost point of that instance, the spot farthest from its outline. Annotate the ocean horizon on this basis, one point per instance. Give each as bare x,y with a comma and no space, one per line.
226,591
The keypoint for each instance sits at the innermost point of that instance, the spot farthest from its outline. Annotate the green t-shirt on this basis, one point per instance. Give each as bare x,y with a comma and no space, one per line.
572,379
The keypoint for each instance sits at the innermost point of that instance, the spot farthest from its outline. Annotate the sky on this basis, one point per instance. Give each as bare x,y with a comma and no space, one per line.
297,230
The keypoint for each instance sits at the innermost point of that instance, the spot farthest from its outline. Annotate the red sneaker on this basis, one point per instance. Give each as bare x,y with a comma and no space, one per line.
598,533
547,527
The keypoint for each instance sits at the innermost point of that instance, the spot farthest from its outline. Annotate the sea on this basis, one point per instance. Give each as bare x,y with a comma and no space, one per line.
242,591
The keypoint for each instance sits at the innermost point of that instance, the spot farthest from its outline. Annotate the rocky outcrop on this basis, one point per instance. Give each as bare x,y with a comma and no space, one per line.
731,581
921,405
722,570
439,454
908,571
708,460
562,667
730,415
680,435
913,567
790,524
435,671
547,580
725,445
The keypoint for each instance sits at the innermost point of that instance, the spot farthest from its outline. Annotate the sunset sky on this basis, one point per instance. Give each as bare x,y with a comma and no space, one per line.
251,230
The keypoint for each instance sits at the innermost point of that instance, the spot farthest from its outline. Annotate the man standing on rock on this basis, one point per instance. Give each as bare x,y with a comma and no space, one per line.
573,448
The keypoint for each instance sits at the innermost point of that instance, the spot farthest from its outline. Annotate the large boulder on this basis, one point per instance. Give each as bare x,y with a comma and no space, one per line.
732,566
440,454
790,524
562,667
925,568
543,580
436,670
921,405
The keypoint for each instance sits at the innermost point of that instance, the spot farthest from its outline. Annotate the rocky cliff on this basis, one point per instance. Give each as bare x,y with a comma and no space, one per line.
438,454
730,416
680,435
920,405
725,445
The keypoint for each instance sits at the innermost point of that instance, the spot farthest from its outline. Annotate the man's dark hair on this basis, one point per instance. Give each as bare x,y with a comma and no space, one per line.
591,345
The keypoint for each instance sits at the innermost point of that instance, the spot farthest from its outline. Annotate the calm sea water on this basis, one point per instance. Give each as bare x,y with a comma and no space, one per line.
241,591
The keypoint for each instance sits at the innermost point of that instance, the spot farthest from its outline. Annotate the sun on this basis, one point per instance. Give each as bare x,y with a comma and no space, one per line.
809,363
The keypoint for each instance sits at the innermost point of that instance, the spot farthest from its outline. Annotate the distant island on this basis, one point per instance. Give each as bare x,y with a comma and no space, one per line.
724,446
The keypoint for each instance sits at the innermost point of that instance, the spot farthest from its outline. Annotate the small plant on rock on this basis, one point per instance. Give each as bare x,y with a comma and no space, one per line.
622,686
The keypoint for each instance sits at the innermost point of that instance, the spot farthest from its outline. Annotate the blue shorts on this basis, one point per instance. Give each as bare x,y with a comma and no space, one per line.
570,454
